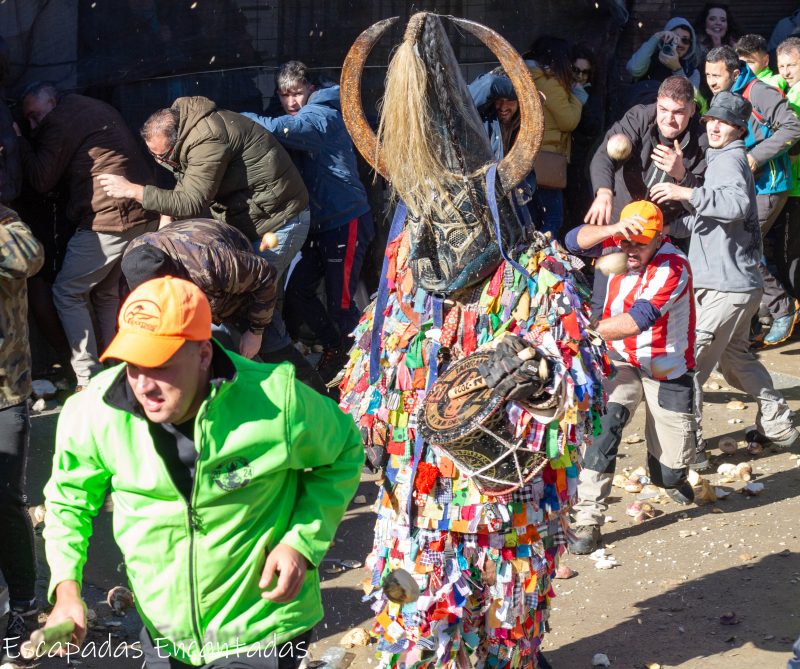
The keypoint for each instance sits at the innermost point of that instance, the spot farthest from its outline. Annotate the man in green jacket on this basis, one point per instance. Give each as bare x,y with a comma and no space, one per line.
226,475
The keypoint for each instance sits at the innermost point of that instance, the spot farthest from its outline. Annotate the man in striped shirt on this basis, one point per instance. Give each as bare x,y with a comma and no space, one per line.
648,319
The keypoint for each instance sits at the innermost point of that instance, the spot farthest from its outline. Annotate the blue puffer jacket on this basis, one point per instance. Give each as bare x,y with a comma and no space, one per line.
327,159
484,91
773,129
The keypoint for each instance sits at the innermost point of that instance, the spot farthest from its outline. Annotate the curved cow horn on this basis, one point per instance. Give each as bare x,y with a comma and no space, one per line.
515,166
352,105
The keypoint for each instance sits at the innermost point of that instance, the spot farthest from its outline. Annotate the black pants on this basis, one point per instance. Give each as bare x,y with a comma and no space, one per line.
17,560
335,257
287,656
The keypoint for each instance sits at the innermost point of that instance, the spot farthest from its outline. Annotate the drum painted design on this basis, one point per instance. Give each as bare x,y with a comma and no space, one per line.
474,432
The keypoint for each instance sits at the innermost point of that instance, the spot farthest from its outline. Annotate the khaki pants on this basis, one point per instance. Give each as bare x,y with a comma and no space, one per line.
90,277
723,337
669,432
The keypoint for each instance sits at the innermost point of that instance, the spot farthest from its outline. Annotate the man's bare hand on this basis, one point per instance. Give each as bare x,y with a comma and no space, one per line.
628,227
600,211
669,192
69,606
119,187
249,344
753,164
670,160
164,221
290,568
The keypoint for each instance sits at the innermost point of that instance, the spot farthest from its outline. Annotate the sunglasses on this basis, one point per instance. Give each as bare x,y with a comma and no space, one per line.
163,157
578,71
686,41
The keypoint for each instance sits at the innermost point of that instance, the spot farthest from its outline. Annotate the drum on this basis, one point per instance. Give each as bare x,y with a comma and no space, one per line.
472,429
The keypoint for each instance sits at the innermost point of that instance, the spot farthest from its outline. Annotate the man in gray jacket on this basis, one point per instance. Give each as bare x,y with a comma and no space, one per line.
772,130
724,254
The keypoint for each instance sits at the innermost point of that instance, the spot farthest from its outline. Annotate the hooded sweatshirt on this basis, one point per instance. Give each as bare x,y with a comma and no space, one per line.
644,63
725,246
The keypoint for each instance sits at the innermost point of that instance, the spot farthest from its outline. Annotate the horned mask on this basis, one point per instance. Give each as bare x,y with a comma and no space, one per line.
433,149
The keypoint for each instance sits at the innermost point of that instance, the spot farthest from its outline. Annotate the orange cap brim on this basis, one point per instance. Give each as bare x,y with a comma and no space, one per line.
142,349
637,239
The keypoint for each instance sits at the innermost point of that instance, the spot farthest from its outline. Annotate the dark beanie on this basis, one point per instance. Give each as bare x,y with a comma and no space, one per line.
147,262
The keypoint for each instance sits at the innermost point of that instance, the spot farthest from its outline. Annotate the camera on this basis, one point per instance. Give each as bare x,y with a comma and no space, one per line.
668,49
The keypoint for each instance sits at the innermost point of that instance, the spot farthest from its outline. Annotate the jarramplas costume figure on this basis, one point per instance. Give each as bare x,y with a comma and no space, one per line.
474,377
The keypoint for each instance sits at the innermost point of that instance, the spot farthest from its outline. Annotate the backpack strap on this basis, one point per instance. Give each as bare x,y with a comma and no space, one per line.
746,96
758,116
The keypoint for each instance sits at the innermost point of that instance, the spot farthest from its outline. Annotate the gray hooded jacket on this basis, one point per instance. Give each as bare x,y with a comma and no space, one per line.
725,246
644,63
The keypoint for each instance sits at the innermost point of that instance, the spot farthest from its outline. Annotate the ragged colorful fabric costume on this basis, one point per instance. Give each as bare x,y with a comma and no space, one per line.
465,269
484,564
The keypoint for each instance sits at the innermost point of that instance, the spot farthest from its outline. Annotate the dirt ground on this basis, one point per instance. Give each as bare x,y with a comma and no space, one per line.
680,575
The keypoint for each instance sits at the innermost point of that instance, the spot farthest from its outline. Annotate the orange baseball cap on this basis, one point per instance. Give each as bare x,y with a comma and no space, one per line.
157,318
651,218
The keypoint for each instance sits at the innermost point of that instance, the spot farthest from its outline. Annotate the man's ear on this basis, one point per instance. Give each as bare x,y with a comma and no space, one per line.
206,354
736,74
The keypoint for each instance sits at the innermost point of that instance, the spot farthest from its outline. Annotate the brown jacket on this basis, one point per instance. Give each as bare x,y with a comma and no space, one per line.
232,165
21,256
77,141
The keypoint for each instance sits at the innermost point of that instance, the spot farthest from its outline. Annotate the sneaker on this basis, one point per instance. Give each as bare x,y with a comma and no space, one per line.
585,539
782,328
683,494
21,622
701,463
331,362
755,438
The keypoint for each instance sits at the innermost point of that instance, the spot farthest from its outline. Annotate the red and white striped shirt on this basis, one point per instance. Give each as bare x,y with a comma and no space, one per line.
666,350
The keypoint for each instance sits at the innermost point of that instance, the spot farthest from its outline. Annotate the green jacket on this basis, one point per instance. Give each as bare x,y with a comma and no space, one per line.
232,165
793,98
768,76
21,256
278,463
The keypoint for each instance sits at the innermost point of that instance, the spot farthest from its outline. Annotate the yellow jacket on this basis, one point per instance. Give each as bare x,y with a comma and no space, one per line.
562,112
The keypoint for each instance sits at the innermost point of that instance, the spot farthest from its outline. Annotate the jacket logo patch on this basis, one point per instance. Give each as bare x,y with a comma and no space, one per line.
233,475
143,314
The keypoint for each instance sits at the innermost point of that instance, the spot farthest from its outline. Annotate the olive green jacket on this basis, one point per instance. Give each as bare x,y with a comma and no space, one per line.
21,256
233,166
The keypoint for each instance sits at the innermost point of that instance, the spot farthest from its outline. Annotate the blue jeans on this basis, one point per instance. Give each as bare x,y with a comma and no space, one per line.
291,237
551,201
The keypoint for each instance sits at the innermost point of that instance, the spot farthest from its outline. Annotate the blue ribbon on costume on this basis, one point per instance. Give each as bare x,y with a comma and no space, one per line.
491,196
383,296
433,372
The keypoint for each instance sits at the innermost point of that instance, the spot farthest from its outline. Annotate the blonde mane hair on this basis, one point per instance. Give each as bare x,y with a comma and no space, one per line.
410,147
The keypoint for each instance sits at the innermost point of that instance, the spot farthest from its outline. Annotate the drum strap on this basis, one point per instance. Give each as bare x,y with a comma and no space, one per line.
383,296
